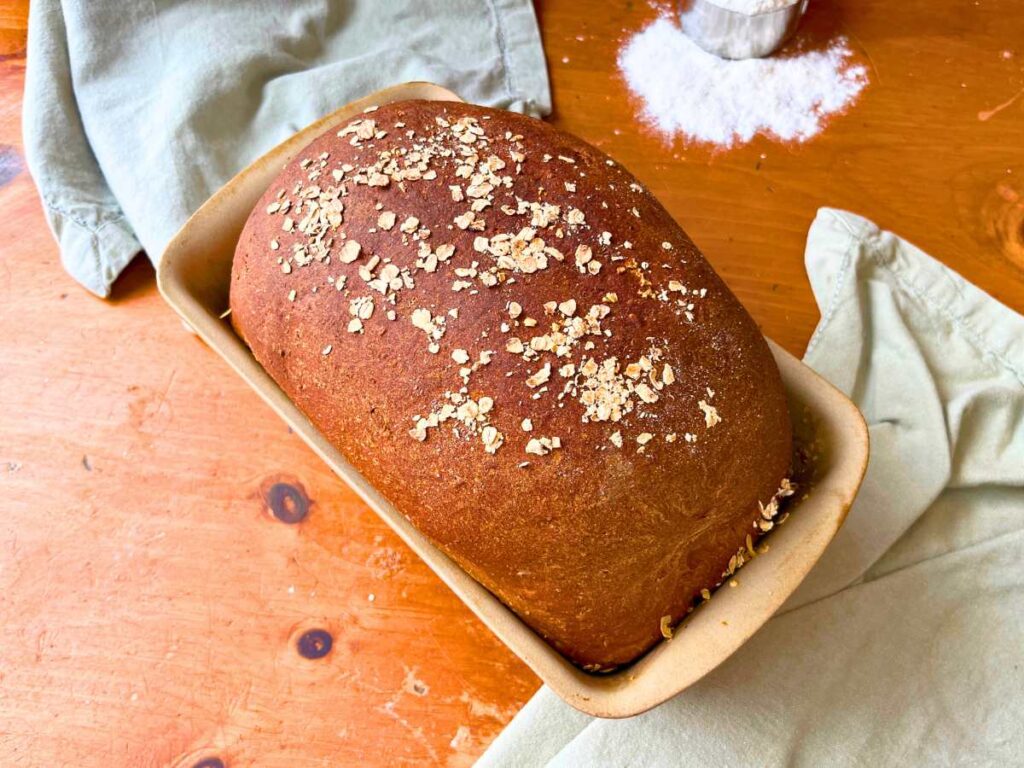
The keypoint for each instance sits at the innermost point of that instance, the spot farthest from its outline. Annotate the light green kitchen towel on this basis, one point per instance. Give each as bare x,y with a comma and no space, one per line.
135,113
905,646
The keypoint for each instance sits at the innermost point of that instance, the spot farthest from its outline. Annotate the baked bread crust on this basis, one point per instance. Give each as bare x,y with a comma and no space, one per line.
429,276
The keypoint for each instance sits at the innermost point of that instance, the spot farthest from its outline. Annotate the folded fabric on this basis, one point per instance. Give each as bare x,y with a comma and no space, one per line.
903,646
135,113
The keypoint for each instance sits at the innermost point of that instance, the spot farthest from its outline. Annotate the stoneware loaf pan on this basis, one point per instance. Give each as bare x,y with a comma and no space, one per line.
193,277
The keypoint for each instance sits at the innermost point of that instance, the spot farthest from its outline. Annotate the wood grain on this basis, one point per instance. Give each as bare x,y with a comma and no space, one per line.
13,27
151,603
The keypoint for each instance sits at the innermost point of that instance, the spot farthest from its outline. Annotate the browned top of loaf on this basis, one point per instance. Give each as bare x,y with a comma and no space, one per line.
515,343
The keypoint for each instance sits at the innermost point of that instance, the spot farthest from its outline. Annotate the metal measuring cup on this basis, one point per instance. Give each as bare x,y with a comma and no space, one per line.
735,35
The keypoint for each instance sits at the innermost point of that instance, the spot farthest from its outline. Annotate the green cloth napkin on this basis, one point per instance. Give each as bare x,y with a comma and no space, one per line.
135,113
905,645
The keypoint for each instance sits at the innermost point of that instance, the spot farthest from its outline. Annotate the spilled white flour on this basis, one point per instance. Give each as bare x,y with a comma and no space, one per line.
693,94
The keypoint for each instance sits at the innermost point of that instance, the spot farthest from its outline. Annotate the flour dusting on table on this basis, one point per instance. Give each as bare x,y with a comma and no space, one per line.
699,97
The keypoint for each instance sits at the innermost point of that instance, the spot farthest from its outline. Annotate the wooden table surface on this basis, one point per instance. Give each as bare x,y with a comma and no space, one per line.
150,601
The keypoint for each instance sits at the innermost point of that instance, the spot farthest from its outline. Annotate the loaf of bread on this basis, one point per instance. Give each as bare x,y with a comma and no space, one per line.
513,341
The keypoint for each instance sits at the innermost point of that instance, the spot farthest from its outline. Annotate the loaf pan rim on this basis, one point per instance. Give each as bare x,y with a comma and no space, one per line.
193,276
